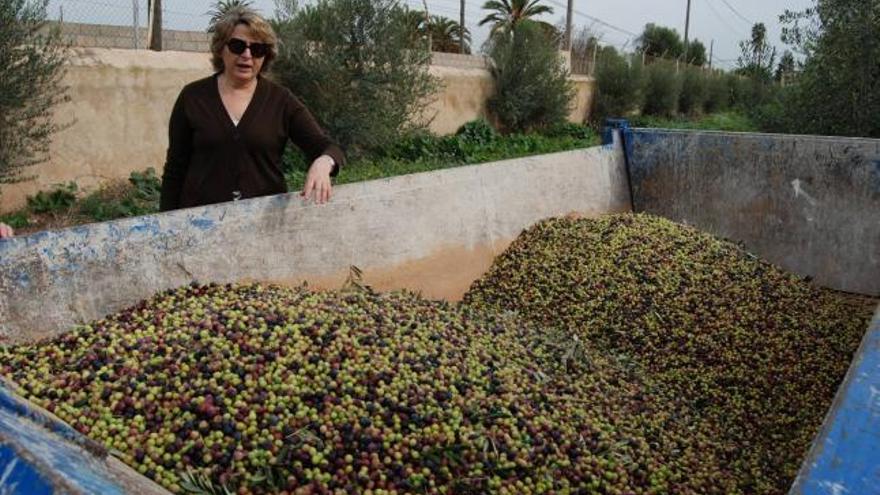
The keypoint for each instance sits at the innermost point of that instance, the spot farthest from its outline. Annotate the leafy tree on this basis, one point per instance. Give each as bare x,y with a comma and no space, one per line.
786,69
696,53
532,90
353,64
838,90
618,85
659,41
801,29
694,87
32,56
662,89
758,57
717,93
506,14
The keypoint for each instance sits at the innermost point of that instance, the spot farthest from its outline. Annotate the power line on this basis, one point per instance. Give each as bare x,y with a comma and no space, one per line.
596,20
722,19
737,13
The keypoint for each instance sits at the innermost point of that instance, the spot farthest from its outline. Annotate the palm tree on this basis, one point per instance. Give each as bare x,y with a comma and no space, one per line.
414,21
508,13
447,36
221,7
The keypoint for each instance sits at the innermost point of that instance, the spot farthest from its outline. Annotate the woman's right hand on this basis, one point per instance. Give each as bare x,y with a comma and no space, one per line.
5,231
318,180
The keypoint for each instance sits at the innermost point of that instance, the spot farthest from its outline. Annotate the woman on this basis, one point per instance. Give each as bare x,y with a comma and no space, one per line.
228,131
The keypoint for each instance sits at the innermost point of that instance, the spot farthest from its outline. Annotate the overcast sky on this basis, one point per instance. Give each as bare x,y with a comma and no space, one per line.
725,21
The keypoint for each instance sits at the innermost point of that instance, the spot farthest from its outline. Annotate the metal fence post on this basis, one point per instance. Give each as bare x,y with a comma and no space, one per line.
136,22
593,62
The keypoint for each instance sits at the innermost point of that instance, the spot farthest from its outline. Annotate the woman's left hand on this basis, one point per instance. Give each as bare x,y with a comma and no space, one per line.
318,180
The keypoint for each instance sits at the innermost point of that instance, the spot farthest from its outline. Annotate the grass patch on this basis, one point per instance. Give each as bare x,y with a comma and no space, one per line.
722,121
138,196
17,220
475,143
59,207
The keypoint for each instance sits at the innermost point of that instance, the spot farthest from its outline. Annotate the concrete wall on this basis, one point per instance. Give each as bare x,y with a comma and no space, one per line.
808,204
121,101
107,36
433,232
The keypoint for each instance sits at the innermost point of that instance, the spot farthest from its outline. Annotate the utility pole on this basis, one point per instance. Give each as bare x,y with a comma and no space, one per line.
155,31
135,10
595,54
711,49
567,44
461,29
687,27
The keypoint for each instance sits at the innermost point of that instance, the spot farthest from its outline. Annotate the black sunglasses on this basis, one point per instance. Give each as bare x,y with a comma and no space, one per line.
258,50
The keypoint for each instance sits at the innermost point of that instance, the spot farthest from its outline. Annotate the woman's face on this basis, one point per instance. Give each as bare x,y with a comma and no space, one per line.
242,67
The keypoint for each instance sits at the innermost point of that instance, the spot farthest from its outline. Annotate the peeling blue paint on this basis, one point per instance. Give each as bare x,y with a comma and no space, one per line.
41,452
11,403
22,279
18,477
202,223
145,227
37,237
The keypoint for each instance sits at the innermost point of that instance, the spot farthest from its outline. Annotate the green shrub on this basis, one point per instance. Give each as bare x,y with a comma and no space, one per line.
693,91
737,91
758,92
717,97
424,146
477,132
353,65
32,58
16,220
293,161
774,115
532,89
58,199
569,130
662,88
618,84
140,196
722,121
475,142
837,91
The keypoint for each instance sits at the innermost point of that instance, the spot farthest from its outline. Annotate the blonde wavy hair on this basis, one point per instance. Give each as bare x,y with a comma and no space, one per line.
260,29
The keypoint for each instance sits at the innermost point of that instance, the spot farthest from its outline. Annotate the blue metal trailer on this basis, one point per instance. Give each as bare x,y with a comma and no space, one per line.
809,204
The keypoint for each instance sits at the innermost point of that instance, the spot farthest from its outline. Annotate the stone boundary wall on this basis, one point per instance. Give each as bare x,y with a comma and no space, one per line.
106,36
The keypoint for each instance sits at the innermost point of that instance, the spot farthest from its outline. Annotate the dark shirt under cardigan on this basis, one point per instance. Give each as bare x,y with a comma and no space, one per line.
211,160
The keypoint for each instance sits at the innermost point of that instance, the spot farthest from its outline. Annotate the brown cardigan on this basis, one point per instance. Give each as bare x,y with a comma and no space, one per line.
209,158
